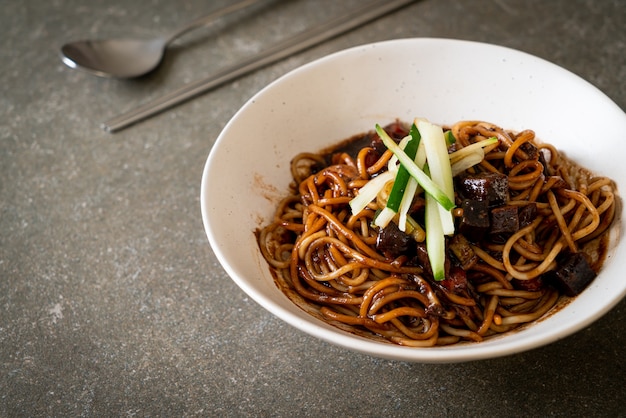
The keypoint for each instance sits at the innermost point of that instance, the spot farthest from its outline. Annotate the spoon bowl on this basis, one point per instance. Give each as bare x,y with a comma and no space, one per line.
130,58
118,58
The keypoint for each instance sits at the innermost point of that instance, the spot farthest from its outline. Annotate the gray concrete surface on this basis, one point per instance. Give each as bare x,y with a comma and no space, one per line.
112,302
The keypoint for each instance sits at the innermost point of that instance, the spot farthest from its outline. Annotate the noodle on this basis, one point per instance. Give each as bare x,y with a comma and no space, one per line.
321,252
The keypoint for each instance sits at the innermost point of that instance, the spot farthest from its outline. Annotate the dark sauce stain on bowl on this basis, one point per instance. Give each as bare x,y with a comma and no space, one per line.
266,190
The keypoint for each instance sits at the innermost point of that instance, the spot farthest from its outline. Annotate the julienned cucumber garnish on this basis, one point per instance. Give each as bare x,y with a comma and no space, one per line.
412,186
403,190
435,237
439,166
368,192
424,163
427,184
402,177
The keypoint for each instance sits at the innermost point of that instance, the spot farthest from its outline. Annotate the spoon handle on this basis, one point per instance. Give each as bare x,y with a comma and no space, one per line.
295,44
205,20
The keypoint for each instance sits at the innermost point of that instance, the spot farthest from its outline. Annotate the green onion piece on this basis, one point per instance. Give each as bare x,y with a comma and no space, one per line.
449,136
427,184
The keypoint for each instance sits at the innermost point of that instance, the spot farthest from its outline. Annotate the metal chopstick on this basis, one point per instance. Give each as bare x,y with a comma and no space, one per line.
297,43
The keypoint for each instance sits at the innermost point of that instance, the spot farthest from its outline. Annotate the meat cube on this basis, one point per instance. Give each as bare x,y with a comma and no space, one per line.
573,274
460,247
419,203
490,187
474,223
422,259
392,241
531,285
527,214
559,183
531,150
504,220
395,130
377,144
455,281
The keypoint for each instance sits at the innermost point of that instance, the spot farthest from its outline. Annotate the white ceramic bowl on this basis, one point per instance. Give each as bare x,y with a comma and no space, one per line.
347,93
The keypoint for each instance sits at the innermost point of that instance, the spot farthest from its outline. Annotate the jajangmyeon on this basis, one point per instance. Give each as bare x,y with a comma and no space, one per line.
506,228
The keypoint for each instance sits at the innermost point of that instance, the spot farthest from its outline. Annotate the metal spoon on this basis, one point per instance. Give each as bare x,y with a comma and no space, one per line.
129,58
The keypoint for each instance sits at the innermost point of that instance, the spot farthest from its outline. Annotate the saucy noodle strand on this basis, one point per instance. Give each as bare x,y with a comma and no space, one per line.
347,271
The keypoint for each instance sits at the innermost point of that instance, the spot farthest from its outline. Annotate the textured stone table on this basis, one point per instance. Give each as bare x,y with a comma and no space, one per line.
112,303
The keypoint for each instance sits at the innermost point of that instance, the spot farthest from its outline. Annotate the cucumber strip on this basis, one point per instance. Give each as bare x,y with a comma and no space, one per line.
463,152
412,188
368,192
410,184
405,204
435,238
384,217
468,161
439,166
393,165
427,184
420,158
402,178
447,220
